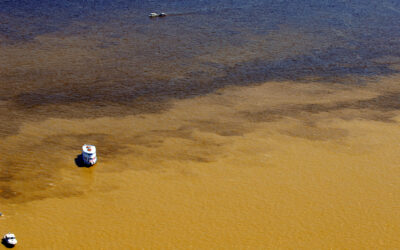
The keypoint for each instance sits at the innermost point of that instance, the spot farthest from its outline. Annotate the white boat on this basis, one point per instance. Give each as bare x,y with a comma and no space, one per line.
153,14
89,155
9,240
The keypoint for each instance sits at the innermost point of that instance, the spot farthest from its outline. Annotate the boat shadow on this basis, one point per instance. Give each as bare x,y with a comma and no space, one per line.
4,242
80,163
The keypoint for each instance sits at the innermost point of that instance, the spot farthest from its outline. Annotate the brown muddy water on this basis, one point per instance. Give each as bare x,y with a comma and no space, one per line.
226,125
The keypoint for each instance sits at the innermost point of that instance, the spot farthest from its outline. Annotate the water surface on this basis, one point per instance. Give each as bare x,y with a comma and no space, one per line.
226,124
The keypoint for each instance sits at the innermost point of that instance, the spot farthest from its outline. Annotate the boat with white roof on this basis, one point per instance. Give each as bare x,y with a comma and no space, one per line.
89,155
154,14
9,240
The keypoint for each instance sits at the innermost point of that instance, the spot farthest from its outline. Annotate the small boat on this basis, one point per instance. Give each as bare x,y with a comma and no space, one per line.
153,14
89,155
9,240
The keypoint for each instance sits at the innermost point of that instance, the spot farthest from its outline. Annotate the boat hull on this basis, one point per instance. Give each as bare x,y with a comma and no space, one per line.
89,162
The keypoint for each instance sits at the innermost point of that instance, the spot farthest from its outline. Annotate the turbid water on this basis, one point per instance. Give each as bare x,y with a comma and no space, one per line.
225,125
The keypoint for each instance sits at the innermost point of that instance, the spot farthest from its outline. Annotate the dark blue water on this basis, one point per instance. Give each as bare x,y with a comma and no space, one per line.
109,58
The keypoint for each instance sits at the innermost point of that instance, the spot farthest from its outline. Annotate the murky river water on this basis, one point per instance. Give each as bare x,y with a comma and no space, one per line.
224,125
